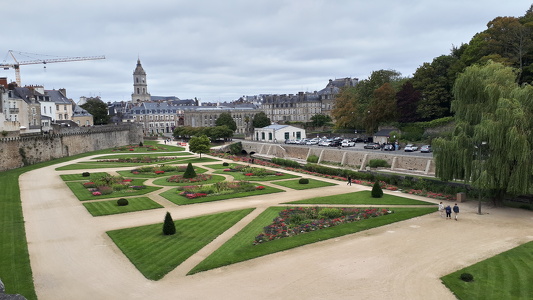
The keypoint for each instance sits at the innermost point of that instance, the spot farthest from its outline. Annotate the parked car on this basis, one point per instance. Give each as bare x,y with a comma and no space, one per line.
335,143
312,142
324,143
389,147
347,143
371,146
425,149
410,148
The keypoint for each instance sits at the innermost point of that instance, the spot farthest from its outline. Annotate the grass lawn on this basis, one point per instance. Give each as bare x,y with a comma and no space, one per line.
198,170
504,276
362,198
155,254
174,197
294,184
197,160
137,149
138,156
240,176
83,194
222,167
240,247
78,176
104,208
164,182
95,165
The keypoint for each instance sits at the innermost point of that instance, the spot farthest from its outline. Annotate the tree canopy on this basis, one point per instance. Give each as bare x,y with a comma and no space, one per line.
226,119
320,120
260,120
98,109
199,144
491,144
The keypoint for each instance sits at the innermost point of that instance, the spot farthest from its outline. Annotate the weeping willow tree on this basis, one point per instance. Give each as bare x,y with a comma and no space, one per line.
491,144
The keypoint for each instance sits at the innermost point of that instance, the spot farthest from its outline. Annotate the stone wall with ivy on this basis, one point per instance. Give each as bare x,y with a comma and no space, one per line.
20,151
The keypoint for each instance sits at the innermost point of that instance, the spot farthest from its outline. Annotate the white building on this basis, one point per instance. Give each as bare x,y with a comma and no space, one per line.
278,133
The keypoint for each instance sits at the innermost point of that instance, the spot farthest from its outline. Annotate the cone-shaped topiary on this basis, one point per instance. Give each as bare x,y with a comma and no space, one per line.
377,192
189,172
169,228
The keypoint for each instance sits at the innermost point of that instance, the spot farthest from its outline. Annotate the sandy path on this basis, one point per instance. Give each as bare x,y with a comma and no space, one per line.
73,258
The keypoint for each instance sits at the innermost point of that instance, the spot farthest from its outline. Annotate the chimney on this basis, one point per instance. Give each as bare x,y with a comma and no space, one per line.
3,81
63,92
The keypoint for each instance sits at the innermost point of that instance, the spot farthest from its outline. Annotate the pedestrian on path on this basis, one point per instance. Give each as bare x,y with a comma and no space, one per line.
441,209
455,211
448,212
349,180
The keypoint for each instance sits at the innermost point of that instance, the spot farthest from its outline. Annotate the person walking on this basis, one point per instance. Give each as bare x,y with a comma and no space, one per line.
455,211
349,180
441,209
448,212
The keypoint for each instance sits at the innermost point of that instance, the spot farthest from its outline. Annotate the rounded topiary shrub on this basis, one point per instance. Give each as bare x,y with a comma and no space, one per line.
467,277
377,192
225,164
141,144
85,174
303,181
122,202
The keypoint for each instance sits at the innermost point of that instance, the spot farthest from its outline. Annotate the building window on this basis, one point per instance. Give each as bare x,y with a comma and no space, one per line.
262,135
270,136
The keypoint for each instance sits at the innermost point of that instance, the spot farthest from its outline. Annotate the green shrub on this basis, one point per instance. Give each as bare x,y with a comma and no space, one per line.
377,192
378,163
85,174
225,164
312,159
122,202
189,172
467,277
105,190
235,148
141,144
285,162
303,181
329,213
169,228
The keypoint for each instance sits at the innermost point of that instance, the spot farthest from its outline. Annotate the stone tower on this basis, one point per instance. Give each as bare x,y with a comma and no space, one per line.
140,87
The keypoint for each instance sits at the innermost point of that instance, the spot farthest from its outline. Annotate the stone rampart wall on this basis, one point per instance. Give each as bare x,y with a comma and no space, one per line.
19,151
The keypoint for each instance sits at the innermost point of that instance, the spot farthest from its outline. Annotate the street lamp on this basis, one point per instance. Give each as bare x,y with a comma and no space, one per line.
479,175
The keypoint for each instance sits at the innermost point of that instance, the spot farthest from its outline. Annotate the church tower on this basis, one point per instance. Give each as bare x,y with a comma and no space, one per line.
140,87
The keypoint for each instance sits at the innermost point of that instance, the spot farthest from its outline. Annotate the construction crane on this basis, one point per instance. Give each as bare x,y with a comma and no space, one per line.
17,63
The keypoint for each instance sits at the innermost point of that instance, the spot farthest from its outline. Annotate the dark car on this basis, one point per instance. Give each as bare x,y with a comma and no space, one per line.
425,149
371,146
389,147
335,143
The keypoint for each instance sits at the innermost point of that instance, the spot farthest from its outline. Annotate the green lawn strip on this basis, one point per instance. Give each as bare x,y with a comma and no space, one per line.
198,160
164,182
155,254
295,184
78,176
94,165
173,196
15,269
104,208
84,194
222,167
198,170
504,276
240,176
137,156
240,247
362,198
137,149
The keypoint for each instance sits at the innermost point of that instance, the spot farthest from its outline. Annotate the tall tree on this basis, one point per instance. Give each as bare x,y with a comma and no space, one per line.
406,102
226,119
491,144
260,120
98,109
320,120
383,106
346,109
199,144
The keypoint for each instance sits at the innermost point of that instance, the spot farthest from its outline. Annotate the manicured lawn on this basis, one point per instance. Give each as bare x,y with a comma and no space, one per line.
222,167
240,247
78,176
295,184
197,160
362,198
104,208
504,276
139,156
136,148
173,196
155,254
240,176
84,194
95,165
164,182
198,170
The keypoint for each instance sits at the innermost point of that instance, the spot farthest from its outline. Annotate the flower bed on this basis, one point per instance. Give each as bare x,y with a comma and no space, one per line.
219,188
299,220
108,184
253,171
180,179
142,159
140,148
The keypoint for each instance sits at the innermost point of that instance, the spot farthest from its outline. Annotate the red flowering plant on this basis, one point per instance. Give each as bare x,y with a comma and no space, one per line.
198,178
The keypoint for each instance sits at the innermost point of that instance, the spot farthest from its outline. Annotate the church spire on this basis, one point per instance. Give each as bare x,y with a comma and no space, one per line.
140,87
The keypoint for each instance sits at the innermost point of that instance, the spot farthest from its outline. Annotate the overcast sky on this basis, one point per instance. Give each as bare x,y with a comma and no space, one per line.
220,50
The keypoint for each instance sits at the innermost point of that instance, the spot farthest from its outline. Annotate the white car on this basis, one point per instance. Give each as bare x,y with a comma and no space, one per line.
347,143
410,148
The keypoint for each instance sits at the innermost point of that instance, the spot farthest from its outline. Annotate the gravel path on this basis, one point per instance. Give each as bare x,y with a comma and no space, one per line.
73,258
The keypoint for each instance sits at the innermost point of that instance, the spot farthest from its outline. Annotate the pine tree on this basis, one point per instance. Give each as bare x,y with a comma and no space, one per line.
377,192
168,227
189,172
